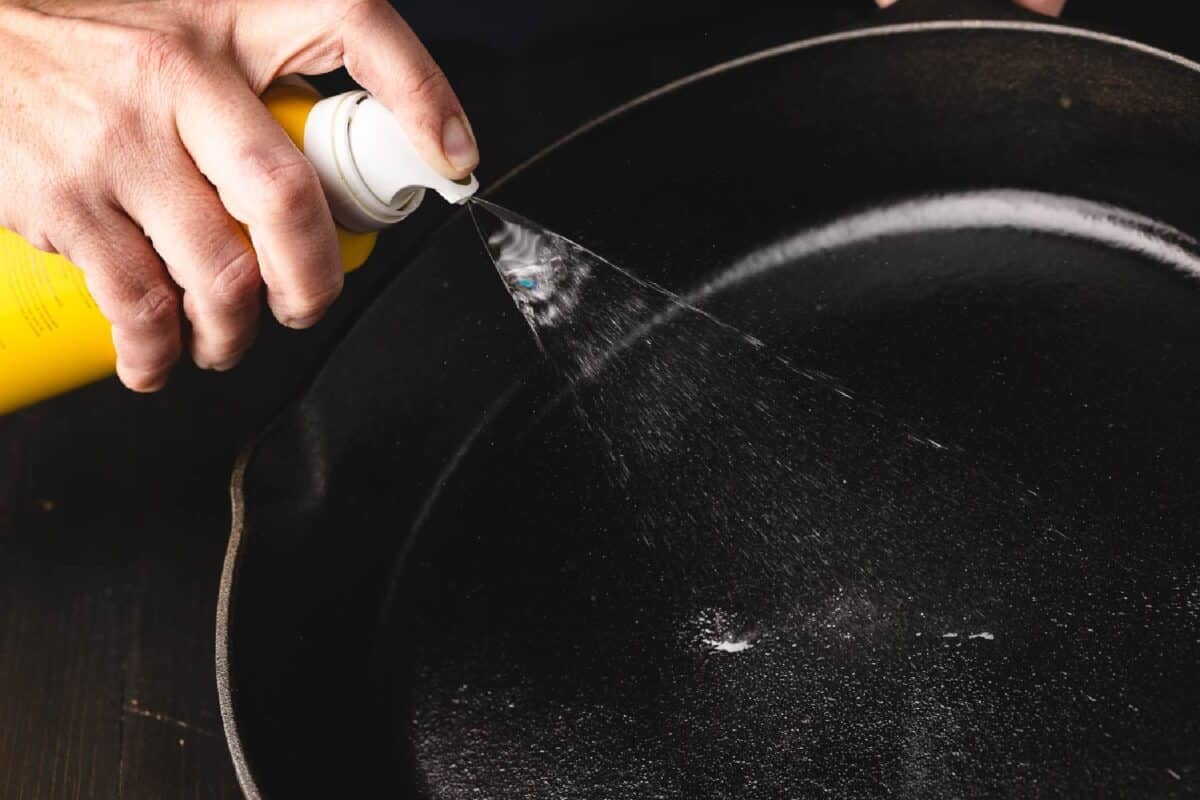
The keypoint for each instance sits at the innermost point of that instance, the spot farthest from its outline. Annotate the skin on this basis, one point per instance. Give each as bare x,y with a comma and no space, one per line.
132,141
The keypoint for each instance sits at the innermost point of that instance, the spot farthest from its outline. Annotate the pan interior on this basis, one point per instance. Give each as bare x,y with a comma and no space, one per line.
935,537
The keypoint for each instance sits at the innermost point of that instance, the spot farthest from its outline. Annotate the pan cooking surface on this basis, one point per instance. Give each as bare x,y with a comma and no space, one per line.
962,560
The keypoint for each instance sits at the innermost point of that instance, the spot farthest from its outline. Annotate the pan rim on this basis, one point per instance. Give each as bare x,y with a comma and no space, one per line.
225,688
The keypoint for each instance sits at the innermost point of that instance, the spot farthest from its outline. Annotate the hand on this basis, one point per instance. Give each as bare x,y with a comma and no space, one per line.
1051,8
132,141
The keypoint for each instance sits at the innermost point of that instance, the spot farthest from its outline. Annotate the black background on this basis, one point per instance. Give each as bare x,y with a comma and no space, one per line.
113,507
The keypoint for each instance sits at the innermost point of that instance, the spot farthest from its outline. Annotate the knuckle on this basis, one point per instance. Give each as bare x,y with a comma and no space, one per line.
236,282
282,184
120,133
161,52
154,308
427,84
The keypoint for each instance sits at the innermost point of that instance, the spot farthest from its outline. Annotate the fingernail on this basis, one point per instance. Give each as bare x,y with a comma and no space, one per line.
215,365
458,144
298,322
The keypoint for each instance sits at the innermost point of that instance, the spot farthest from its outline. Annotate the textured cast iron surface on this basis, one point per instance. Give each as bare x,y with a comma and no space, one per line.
965,564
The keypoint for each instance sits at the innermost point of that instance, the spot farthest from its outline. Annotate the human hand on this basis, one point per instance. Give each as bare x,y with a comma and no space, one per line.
132,141
1051,8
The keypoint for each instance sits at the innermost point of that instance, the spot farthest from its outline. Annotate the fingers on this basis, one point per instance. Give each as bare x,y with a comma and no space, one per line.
209,256
384,55
267,184
133,291
381,53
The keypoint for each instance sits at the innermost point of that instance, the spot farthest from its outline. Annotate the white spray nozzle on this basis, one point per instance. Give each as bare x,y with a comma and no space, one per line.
372,174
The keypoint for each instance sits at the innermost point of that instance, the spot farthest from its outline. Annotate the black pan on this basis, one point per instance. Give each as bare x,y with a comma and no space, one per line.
935,537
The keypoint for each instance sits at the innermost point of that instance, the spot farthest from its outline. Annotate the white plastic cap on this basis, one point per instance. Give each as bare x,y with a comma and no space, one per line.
371,172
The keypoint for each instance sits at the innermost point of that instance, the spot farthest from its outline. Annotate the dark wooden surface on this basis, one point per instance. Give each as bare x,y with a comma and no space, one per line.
113,508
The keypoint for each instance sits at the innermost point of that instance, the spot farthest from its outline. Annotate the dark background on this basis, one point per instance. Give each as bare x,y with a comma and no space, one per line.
113,507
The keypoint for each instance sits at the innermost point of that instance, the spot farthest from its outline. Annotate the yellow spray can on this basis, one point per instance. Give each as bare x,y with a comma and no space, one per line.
53,337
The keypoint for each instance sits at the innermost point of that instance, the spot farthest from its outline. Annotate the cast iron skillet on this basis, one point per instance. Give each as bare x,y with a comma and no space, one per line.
936,537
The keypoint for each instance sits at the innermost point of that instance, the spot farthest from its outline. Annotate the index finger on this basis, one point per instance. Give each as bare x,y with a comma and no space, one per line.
384,55
381,53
